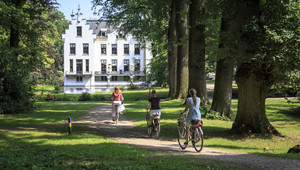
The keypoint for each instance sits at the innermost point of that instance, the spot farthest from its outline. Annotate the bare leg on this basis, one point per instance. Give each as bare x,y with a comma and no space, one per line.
187,133
151,120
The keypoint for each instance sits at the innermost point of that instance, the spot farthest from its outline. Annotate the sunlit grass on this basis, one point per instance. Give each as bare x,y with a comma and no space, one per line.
217,132
54,148
40,140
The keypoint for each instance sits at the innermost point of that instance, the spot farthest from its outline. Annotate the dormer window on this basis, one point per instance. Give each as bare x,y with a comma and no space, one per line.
120,36
103,33
79,31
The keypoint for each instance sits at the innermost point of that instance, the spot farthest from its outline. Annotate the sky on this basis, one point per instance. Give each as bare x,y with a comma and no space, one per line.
66,6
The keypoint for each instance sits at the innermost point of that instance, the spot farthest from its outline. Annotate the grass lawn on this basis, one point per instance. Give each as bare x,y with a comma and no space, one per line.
279,112
40,140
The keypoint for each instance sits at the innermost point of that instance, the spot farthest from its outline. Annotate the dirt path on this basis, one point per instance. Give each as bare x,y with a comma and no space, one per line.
125,132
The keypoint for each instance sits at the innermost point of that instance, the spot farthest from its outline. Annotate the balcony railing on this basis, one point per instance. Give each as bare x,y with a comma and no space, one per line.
119,72
78,73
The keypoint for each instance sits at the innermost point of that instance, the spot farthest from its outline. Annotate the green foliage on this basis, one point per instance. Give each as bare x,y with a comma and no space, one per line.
85,96
133,86
22,49
208,113
146,20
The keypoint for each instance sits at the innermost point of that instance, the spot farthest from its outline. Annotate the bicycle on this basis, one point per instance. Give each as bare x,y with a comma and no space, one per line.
154,128
196,133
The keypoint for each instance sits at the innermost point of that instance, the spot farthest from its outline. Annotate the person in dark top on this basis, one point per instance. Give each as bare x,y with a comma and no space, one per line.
154,105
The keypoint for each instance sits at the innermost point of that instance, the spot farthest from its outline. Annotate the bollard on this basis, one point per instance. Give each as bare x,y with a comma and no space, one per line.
70,125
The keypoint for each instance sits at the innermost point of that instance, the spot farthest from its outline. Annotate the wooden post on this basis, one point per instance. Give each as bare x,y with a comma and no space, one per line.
70,125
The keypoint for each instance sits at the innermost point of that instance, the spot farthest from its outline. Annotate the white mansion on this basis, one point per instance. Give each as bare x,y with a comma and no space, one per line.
98,57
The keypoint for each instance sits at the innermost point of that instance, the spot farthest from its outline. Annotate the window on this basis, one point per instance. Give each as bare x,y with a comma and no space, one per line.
71,65
87,64
120,36
114,78
126,48
100,78
126,65
79,78
72,48
114,49
85,48
103,34
126,78
103,48
136,49
114,64
137,65
79,66
79,31
103,66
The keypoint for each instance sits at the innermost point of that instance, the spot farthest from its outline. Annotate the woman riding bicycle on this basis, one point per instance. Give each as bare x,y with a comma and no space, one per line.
154,106
116,98
192,104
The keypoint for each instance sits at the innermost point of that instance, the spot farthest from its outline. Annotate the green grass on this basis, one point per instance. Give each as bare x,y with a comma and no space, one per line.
40,140
216,132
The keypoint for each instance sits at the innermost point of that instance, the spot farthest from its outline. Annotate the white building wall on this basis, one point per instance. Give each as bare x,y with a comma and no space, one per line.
95,57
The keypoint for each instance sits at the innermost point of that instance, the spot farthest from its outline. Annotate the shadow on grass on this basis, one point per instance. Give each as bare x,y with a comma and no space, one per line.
52,148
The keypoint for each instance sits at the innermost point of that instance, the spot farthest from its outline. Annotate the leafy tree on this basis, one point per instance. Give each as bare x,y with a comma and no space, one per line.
21,28
268,49
49,69
146,20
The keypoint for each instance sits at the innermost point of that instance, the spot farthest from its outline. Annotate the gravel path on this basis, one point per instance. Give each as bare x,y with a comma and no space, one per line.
125,132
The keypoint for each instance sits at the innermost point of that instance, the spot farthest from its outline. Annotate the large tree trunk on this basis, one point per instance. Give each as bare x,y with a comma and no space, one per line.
223,88
251,116
225,64
172,56
197,74
182,60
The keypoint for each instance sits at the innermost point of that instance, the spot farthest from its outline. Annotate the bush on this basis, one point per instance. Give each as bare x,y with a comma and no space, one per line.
211,114
133,87
85,96
66,97
99,97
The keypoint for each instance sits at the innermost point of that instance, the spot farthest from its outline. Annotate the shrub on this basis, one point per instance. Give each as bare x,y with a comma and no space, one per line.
132,87
99,97
211,114
85,96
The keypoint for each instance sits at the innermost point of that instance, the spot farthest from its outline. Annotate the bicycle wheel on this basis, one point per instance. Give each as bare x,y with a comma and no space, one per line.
181,136
149,131
197,140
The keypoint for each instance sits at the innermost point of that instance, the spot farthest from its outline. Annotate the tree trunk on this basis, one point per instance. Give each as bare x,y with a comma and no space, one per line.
225,64
251,116
172,57
182,60
197,74
223,88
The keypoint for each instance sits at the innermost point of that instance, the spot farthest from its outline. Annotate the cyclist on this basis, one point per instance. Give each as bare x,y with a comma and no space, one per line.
192,104
116,98
154,106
